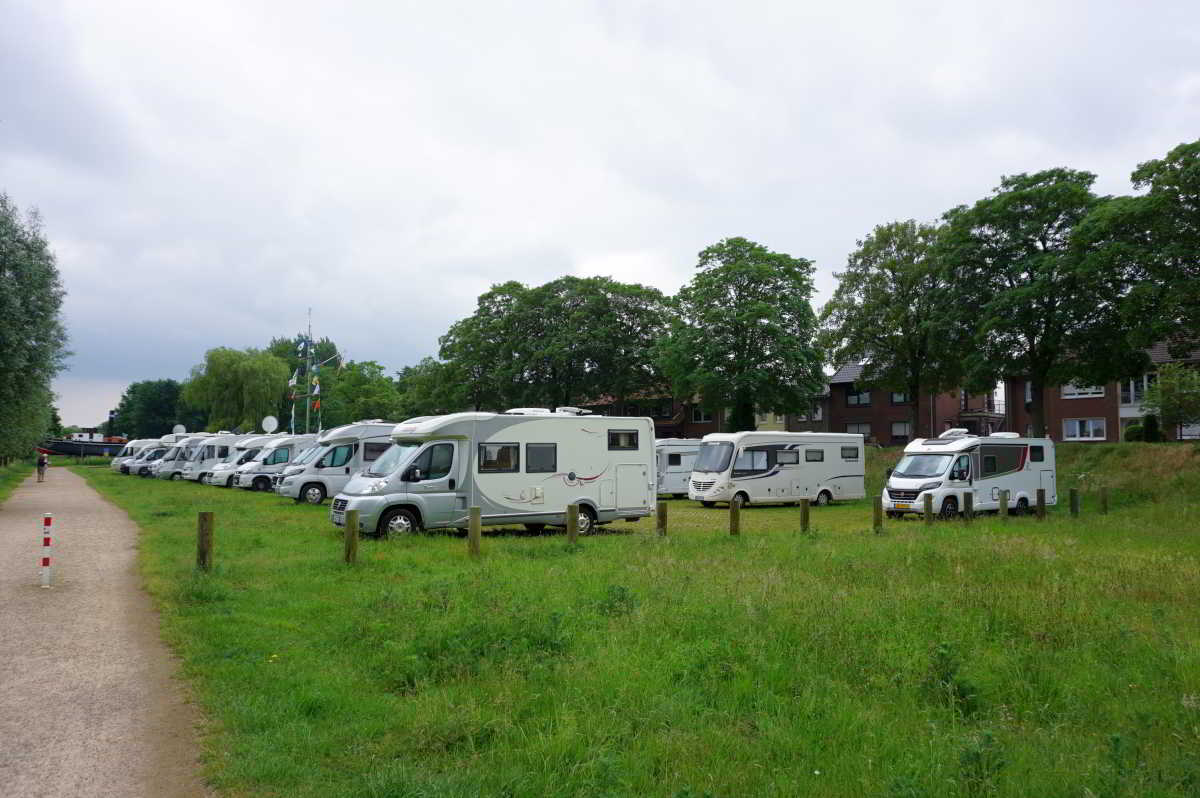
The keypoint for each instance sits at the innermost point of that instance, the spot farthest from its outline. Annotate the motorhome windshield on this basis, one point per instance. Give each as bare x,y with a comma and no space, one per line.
713,457
395,456
171,454
249,454
922,465
308,454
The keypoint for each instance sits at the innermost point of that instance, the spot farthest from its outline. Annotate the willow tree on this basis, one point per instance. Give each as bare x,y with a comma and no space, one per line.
237,388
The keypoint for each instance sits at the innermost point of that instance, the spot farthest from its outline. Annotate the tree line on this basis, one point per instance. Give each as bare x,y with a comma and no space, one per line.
1042,278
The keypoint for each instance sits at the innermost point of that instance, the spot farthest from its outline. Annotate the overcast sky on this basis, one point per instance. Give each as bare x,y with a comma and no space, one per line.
208,171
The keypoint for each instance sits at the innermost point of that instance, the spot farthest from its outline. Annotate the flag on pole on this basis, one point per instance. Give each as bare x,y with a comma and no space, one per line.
316,391
341,363
317,403
295,378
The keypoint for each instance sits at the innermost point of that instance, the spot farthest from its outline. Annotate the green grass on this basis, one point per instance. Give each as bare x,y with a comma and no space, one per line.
14,474
1007,658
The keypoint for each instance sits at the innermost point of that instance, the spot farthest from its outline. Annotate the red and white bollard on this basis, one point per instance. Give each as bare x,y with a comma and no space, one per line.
47,523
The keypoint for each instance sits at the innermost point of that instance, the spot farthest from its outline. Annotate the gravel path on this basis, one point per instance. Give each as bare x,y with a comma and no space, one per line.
88,703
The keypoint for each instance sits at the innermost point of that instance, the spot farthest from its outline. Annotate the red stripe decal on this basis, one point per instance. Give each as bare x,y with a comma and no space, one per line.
46,521
45,562
46,541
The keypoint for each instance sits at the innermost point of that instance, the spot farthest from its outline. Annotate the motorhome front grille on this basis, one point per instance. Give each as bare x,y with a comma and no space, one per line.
902,495
340,504
701,486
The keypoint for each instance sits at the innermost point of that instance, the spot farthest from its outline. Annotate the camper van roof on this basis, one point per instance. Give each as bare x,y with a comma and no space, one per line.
356,431
288,440
961,442
432,425
812,437
251,441
675,441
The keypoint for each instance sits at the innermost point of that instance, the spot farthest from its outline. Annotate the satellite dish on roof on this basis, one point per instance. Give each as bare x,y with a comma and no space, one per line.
270,424
179,429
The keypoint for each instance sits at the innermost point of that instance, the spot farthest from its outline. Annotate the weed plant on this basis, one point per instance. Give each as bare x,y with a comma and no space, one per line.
995,658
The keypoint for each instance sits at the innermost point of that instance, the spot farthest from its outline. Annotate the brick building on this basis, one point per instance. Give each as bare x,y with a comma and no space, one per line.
885,417
672,418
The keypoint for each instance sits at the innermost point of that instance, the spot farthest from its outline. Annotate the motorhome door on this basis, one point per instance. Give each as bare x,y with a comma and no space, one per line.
1047,484
437,485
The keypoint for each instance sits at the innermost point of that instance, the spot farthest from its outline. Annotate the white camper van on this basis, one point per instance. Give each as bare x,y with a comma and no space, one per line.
130,451
172,463
242,452
208,453
675,458
140,465
345,451
257,473
957,462
520,467
778,467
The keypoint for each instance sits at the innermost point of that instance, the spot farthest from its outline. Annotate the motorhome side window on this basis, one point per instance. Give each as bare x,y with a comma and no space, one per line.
222,451
674,459
622,439
1000,459
750,461
814,455
1037,454
787,457
499,458
962,467
435,462
280,455
371,451
849,452
338,456
541,458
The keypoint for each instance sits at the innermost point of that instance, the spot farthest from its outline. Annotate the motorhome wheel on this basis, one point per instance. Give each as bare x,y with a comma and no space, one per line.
314,493
824,498
949,507
176,477
1022,506
229,482
587,520
260,484
398,521
741,500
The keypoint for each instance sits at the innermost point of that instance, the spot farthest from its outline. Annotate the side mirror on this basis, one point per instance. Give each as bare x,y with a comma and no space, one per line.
889,472
412,475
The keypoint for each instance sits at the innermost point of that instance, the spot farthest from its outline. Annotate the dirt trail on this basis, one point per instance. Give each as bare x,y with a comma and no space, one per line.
88,703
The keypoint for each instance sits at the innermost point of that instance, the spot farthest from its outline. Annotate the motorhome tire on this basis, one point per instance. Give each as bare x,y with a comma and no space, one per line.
706,504
313,493
587,519
949,507
176,477
824,498
260,484
741,500
398,521
535,528
229,482
1022,506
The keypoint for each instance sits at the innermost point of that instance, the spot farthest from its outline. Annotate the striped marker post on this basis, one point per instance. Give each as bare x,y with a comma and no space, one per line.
47,526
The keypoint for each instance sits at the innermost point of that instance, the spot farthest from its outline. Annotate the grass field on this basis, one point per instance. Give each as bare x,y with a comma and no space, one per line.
12,475
1000,658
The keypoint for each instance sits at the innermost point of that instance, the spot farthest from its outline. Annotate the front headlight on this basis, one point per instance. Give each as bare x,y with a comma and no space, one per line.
375,487
929,486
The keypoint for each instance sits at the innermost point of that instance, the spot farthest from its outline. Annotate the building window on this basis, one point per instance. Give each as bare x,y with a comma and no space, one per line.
900,431
1069,391
499,458
814,455
541,458
700,415
1083,429
858,429
856,397
1134,391
899,398
1028,391
622,440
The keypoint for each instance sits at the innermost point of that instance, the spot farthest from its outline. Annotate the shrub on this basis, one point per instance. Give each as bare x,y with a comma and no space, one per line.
1135,432
1150,431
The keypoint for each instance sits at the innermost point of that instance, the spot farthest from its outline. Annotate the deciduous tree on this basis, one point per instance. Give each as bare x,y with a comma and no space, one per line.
1174,396
742,334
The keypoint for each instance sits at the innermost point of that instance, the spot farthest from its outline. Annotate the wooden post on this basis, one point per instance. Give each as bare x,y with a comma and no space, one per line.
968,506
878,515
661,520
475,529
1074,503
735,519
1104,501
1041,504
350,548
928,509
804,513
1003,505
204,540
572,524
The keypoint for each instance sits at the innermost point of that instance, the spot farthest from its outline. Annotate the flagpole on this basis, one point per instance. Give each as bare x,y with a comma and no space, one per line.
307,372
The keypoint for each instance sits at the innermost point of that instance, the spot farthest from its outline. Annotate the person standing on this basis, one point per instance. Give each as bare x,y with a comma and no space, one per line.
42,462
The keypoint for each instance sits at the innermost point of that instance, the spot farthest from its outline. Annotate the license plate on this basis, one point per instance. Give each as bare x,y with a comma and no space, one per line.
339,517
903,506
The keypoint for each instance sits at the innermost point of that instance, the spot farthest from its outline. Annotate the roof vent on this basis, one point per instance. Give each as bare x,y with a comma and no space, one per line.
1004,435
956,432
573,411
527,411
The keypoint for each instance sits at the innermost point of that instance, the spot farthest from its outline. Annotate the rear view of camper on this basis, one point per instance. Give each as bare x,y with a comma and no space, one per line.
524,467
675,457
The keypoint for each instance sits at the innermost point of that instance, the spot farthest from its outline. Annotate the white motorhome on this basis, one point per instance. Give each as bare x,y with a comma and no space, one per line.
957,462
346,451
208,453
172,463
140,465
675,458
242,452
778,467
258,472
131,450
520,467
